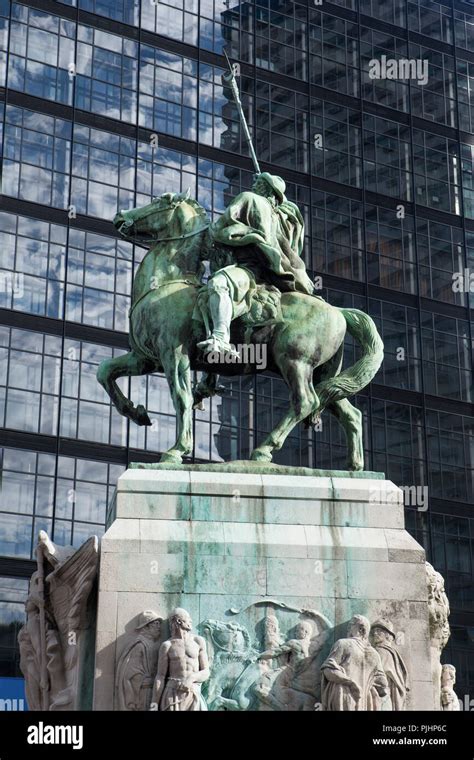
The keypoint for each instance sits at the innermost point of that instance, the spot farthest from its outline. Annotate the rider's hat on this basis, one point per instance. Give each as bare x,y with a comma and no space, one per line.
386,625
146,617
277,184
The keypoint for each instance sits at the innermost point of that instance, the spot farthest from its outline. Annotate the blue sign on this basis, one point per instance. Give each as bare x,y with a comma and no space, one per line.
12,694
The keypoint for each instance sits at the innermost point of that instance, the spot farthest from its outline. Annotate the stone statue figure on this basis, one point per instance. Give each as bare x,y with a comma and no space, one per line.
36,647
449,700
295,649
352,672
182,667
258,295
271,636
383,639
136,669
258,239
53,641
438,606
438,611
280,689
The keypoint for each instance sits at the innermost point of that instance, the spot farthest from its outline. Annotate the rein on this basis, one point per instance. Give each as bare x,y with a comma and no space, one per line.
167,282
140,241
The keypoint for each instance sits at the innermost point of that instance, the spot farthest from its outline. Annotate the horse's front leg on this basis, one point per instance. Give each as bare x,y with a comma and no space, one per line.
177,369
127,365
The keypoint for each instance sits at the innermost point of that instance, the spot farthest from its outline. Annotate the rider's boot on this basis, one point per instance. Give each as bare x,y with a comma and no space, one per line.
220,310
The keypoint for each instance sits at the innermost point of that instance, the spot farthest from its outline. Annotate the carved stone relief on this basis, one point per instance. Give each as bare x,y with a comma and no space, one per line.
449,700
137,666
52,639
182,667
233,666
277,672
438,607
438,611
266,662
383,639
352,677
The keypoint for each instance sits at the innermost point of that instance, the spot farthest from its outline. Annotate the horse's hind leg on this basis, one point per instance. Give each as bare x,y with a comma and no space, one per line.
207,387
351,420
349,417
177,368
303,402
127,365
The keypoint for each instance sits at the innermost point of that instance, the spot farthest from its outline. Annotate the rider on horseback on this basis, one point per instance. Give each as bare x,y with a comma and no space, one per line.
255,258
257,240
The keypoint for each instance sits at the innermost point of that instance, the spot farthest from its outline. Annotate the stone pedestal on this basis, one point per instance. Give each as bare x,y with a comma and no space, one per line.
251,555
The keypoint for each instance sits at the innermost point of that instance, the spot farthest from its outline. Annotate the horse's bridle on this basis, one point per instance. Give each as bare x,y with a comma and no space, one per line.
186,280
219,646
140,241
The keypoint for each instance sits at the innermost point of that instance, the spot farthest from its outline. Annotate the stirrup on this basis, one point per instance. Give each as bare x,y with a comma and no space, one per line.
217,345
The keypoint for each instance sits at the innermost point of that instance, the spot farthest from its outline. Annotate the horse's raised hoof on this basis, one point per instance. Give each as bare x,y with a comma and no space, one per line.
141,416
203,391
261,455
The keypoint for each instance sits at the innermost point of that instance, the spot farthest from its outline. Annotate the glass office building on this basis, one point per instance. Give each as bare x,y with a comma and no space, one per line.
106,103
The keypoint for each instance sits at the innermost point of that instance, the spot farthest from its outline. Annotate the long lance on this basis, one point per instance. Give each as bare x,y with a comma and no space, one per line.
229,79
42,621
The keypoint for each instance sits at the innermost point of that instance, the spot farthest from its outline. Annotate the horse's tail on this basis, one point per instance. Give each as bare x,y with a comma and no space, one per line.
353,379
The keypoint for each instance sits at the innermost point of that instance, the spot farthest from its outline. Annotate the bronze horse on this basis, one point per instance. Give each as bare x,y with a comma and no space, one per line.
305,347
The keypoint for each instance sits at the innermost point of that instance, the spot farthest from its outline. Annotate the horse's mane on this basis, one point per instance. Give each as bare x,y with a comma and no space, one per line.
197,206
177,197
212,626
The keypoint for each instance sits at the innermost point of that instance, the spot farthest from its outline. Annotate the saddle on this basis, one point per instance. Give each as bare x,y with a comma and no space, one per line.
264,309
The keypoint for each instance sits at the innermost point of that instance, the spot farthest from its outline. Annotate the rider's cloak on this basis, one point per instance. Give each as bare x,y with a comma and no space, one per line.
275,233
135,674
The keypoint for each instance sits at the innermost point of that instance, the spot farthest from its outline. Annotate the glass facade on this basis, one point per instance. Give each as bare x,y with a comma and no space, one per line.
106,103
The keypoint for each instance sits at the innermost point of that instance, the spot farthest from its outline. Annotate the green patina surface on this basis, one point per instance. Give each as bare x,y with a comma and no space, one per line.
247,466
260,293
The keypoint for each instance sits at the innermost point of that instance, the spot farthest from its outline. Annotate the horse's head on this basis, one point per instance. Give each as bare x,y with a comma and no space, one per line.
170,215
226,637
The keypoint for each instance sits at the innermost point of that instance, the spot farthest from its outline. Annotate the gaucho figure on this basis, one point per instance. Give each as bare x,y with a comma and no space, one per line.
258,239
